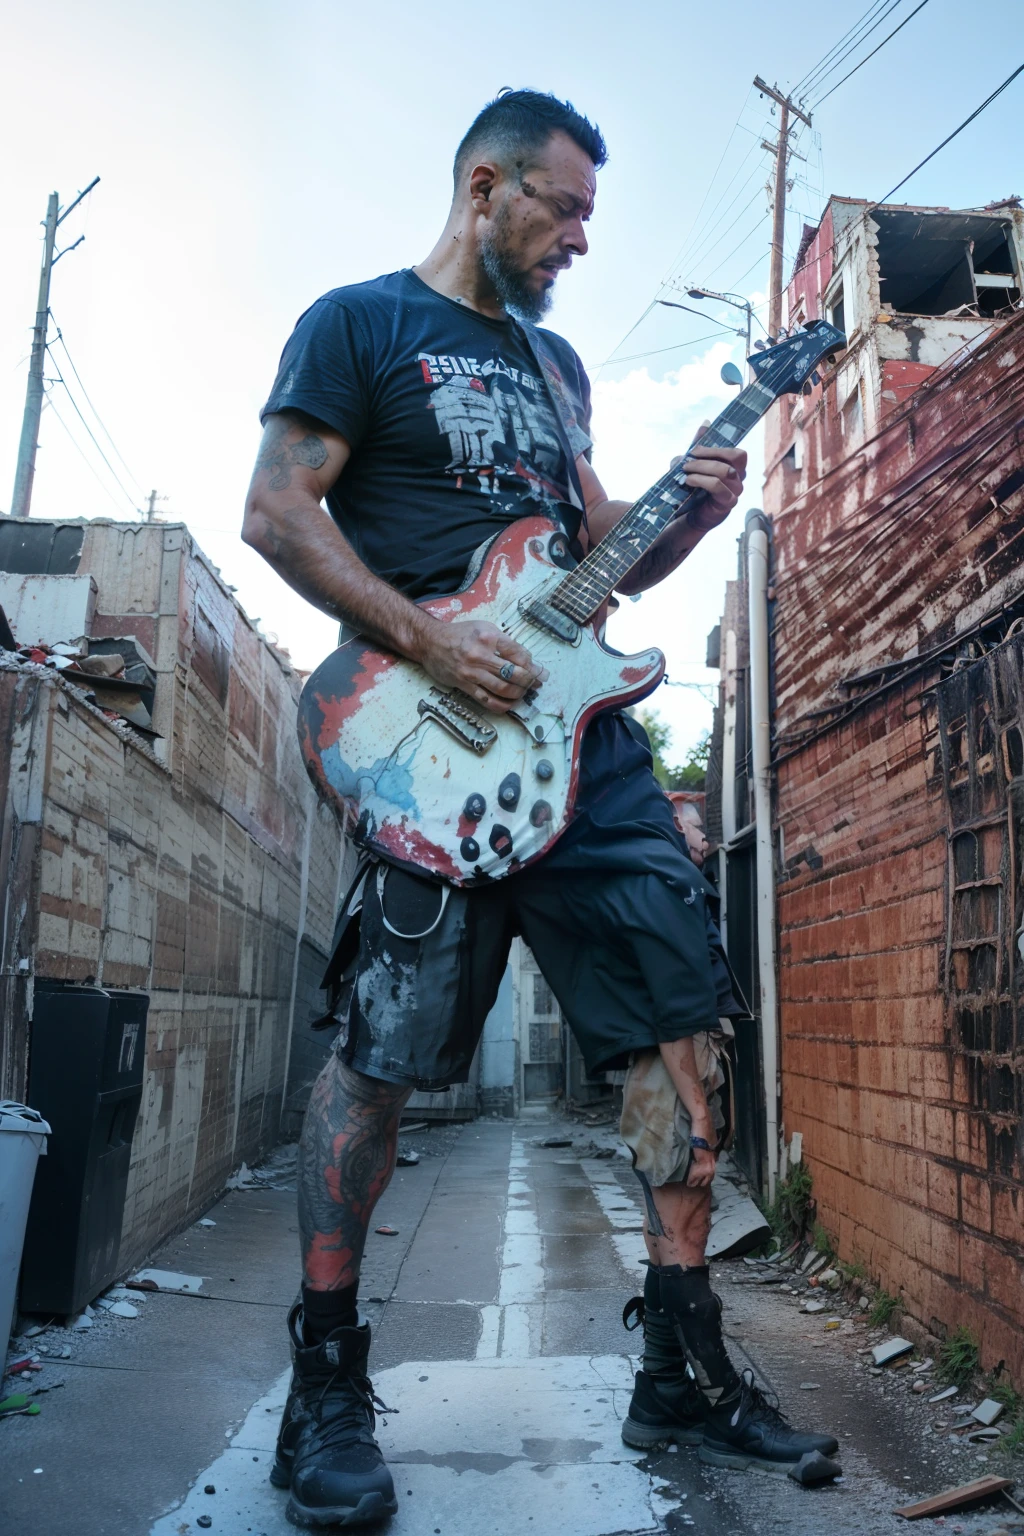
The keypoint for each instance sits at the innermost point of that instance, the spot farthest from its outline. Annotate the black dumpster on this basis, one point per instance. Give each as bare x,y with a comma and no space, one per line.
85,1077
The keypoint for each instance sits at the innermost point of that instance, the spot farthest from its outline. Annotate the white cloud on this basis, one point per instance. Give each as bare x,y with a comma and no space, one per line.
640,423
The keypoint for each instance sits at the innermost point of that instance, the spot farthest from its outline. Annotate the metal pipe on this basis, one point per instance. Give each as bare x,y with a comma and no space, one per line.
758,530
728,781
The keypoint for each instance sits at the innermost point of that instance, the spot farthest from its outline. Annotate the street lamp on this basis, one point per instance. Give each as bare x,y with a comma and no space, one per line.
727,298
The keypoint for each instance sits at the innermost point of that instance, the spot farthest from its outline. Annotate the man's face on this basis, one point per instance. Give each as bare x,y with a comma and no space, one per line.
688,822
537,228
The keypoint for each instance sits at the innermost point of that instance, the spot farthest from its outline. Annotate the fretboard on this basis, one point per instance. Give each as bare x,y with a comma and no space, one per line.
583,591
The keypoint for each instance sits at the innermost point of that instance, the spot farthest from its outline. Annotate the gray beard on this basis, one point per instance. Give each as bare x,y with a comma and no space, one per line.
508,282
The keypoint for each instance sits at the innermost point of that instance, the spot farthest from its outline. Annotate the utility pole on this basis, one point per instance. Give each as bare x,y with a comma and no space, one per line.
781,150
24,475
151,501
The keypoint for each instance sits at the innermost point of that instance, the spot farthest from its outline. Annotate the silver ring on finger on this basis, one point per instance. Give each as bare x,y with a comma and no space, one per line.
507,672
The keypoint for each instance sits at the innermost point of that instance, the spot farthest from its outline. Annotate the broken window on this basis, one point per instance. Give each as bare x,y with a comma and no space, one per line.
946,263
837,310
982,748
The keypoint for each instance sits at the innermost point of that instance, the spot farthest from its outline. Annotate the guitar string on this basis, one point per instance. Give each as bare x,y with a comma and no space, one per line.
583,589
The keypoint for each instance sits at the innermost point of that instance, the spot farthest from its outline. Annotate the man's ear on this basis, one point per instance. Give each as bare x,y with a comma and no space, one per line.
482,179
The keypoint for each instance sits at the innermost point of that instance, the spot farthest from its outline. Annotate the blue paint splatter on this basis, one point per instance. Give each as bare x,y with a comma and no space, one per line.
387,778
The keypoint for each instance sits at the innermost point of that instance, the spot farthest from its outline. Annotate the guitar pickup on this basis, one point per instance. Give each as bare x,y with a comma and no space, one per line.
460,722
549,618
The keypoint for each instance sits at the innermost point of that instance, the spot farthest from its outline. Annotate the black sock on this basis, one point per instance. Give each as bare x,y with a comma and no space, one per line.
696,1315
324,1311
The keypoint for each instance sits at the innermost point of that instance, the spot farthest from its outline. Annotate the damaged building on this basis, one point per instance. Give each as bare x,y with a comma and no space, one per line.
878,615
161,843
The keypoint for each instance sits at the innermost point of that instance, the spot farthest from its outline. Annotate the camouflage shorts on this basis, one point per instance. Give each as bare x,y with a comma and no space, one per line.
655,1125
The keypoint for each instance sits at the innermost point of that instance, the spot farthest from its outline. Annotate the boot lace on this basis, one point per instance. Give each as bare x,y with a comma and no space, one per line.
760,1404
344,1410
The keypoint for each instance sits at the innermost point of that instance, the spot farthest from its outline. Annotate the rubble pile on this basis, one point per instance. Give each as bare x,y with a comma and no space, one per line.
116,675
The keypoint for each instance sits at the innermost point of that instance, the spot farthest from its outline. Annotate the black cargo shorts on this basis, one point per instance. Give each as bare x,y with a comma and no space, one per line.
417,966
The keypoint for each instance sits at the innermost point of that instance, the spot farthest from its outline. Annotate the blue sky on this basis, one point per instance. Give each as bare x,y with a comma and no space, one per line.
254,155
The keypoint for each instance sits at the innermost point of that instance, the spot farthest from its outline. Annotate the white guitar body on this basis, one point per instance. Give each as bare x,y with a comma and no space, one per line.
431,779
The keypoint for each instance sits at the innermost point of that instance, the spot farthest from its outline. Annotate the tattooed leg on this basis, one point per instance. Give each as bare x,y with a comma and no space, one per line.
346,1159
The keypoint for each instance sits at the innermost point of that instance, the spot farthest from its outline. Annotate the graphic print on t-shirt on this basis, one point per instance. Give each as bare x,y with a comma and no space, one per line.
499,424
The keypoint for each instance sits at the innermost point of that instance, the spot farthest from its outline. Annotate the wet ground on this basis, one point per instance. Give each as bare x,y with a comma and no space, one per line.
497,1338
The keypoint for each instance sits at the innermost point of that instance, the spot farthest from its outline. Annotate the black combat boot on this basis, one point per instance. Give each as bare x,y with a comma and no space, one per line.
667,1405
751,1432
326,1453
743,1427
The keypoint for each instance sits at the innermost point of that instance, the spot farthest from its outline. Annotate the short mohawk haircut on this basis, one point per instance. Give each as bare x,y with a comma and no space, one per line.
516,123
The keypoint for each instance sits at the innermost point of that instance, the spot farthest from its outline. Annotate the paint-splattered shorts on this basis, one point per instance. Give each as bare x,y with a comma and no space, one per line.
417,966
655,1124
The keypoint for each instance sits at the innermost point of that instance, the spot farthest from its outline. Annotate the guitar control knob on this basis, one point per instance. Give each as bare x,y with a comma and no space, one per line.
470,849
540,814
509,791
544,770
501,841
474,808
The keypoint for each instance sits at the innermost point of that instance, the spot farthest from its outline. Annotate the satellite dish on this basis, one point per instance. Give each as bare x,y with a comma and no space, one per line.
731,375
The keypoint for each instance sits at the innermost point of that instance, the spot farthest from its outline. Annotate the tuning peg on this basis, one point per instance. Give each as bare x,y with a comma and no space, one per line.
759,346
815,377
831,359
805,389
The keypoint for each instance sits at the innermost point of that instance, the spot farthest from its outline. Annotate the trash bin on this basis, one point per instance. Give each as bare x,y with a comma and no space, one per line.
86,1067
23,1134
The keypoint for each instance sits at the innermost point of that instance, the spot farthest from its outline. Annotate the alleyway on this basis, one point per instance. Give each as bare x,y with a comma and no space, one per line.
498,1339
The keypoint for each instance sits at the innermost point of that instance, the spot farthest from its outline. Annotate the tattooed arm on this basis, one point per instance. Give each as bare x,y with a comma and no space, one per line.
299,461
718,471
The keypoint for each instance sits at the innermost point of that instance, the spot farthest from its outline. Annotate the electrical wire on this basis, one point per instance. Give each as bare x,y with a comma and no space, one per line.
79,450
870,55
99,418
967,120
676,346
873,17
127,494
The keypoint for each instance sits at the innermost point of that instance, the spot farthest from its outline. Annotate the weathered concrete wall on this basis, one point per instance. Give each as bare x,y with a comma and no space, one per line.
902,1018
198,869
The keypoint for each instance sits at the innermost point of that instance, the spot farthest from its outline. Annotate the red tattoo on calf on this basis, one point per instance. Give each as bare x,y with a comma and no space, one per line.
346,1159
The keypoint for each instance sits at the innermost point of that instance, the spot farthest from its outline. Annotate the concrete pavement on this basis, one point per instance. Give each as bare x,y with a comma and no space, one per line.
498,1340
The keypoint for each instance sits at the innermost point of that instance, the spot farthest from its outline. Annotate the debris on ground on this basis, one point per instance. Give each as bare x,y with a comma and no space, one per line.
890,1350
168,1280
814,1468
205,1221
386,1231
19,1403
955,1498
988,1411
407,1159
556,1141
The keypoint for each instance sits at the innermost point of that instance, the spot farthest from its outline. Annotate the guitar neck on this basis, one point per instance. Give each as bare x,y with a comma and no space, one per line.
582,592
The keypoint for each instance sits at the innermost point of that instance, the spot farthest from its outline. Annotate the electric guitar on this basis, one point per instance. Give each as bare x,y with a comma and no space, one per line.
430,779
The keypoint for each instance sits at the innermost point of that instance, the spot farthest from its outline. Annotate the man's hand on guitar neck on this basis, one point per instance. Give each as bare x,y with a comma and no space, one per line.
718,472
298,462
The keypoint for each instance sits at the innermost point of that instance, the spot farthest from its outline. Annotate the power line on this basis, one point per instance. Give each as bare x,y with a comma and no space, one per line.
85,392
967,120
873,17
130,498
870,55
677,346
79,450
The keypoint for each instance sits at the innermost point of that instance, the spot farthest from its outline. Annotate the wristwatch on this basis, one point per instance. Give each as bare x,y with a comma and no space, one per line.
698,1141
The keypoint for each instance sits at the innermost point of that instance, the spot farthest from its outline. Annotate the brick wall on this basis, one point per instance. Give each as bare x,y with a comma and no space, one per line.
901,994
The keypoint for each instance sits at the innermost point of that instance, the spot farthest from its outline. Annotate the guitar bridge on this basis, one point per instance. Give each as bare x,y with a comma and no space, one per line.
460,722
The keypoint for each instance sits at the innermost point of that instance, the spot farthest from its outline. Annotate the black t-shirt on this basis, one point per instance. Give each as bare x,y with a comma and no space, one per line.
454,435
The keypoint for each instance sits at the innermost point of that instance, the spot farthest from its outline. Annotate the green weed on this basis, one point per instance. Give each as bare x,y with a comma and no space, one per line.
790,1211
958,1360
883,1309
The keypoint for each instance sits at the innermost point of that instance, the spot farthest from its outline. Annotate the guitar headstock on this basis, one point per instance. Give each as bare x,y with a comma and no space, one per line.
785,367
